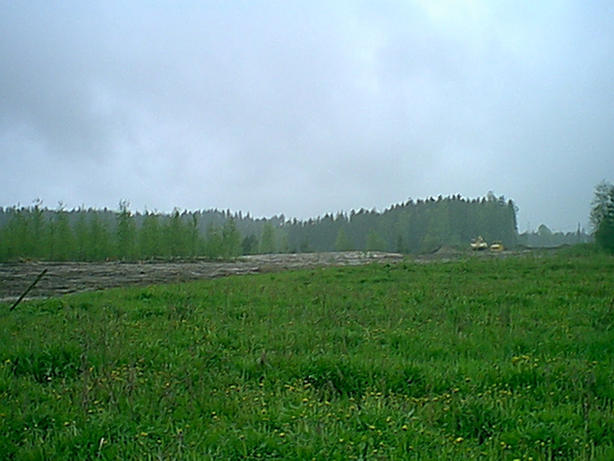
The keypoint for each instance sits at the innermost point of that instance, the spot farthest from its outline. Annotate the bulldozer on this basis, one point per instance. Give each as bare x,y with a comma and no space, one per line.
479,244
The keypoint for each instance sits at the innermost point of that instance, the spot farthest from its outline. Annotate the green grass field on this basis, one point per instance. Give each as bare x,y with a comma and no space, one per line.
479,358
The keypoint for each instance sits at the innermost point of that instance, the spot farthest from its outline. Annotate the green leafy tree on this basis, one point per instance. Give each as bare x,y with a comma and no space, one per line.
125,232
213,242
37,230
430,242
305,246
81,237
193,236
64,242
149,237
267,241
604,235
284,242
342,242
231,239
249,245
100,238
12,235
400,245
374,241
602,215
177,236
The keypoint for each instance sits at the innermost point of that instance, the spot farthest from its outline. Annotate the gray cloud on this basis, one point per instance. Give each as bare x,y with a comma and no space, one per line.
304,108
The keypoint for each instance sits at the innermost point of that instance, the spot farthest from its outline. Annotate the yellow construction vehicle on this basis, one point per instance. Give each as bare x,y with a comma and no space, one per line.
496,246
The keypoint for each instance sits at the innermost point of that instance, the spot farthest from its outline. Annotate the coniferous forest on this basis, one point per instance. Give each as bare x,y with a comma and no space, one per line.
419,226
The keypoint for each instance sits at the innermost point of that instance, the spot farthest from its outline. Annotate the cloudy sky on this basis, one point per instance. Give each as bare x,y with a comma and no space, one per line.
307,107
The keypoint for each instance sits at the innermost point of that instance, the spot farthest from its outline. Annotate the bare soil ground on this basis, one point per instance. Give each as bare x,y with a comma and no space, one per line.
72,277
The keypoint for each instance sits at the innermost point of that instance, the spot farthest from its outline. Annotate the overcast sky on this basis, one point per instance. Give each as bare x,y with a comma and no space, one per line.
307,107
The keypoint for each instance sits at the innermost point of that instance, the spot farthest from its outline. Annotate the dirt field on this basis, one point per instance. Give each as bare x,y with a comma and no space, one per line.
71,277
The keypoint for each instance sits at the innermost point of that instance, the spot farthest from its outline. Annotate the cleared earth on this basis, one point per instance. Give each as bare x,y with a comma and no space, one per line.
72,277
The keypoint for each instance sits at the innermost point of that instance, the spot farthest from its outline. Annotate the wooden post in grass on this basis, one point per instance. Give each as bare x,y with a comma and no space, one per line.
28,289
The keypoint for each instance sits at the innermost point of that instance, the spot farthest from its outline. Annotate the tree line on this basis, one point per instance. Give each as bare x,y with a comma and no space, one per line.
413,226
423,225
543,237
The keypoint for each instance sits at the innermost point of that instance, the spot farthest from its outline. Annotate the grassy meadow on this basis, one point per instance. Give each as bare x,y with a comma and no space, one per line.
480,358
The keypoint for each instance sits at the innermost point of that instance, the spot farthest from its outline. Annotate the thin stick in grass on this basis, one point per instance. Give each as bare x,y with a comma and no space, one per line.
28,289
